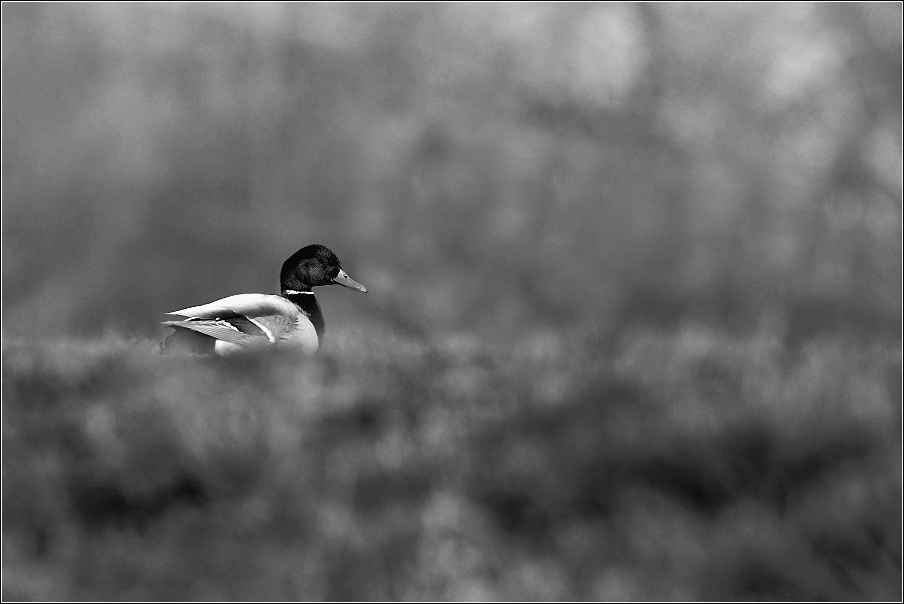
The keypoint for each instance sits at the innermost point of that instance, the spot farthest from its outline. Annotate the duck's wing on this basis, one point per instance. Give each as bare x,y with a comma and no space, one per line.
249,305
239,330
276,327
241,319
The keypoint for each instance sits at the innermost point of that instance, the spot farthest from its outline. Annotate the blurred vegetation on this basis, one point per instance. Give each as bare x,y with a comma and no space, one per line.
493,169
633,328
678,466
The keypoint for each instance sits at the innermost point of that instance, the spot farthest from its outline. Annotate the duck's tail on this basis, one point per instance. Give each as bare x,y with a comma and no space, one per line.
187,340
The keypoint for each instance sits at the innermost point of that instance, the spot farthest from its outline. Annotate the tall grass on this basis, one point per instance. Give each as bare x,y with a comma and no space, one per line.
651,464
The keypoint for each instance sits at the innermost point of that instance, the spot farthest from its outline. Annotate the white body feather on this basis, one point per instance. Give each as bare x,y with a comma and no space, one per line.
282,322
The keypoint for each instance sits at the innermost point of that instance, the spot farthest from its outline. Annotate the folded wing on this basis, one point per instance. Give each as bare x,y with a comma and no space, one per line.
221,329
244,319
249,305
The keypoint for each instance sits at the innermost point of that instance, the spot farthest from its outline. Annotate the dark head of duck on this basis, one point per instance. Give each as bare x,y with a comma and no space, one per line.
312,266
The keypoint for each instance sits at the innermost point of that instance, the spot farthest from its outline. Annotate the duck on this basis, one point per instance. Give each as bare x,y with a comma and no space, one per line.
249,322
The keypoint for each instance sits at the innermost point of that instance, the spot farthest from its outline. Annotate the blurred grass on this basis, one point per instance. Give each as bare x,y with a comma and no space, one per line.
649,464
491,169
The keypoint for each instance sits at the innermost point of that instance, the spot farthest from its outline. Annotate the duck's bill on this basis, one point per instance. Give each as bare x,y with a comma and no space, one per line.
344,280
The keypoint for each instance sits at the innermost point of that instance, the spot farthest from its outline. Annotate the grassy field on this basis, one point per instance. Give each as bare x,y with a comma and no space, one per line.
676,464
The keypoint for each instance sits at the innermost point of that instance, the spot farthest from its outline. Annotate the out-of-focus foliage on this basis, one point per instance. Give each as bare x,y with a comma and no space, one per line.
633,329
684,465
494,169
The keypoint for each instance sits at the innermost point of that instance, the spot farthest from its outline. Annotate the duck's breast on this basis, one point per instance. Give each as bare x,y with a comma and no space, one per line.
302,338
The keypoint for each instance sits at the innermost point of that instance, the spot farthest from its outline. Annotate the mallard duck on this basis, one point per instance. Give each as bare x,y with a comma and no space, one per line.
252,321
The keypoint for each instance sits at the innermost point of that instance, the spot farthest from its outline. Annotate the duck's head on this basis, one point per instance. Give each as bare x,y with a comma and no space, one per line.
312,266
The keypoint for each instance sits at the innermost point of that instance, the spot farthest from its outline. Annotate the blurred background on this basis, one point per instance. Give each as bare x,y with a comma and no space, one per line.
498,170
633,321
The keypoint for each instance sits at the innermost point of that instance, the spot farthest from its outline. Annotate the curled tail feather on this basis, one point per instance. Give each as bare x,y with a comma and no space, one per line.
187,340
